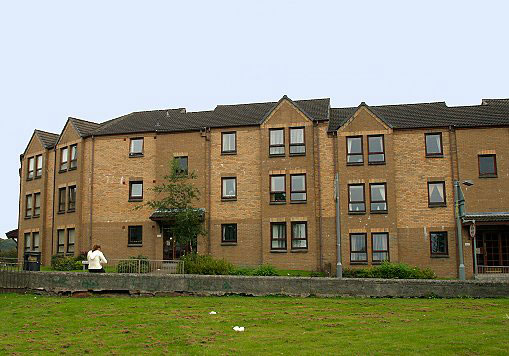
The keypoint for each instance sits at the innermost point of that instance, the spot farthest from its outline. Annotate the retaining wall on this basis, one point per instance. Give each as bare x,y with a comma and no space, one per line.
68,282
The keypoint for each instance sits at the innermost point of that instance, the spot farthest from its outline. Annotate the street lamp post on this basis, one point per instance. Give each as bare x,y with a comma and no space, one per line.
459,205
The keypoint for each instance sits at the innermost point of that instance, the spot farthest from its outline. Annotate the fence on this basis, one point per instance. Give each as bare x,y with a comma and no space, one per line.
492,269
12,276
133,265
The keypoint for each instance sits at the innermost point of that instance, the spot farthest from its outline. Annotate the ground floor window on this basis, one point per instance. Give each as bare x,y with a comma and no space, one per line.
229,233
36,241
380,246
278,236
27,241
438,241
60,241
358,248
135,234
299,235
71,235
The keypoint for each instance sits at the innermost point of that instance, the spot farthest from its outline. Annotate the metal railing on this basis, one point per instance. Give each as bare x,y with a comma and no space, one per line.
10,264
492,269
12,276
146,266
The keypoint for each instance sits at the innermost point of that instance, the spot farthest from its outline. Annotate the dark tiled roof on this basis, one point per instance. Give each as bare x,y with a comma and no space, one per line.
405,116
488,216
48,139
84,127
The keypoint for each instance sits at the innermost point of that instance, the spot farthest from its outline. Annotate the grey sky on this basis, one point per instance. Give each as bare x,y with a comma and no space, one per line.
100,59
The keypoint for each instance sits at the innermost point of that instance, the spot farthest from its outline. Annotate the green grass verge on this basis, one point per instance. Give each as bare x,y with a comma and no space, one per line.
275,325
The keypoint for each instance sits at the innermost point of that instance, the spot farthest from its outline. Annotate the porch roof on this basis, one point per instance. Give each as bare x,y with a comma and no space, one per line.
499,216
169,214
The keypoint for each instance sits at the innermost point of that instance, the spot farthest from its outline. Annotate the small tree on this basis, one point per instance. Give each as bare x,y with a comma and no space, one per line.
175,197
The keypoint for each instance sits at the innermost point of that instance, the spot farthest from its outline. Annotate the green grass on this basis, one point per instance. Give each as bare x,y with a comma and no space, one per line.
275,325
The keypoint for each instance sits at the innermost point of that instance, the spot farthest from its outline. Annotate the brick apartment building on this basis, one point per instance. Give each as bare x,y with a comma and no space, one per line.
266,174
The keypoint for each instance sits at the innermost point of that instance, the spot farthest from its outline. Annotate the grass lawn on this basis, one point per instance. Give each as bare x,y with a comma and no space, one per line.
275,325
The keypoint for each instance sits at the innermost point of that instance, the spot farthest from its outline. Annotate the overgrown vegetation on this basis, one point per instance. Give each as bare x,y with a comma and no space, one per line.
391,271
204,264
135,264
67,263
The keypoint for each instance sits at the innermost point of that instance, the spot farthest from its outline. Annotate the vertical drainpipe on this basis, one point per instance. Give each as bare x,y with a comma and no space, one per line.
339,266
208,141
90,200
317,179
20,200
53,198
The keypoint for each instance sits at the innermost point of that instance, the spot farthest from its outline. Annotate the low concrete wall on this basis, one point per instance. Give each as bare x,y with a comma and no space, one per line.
63,282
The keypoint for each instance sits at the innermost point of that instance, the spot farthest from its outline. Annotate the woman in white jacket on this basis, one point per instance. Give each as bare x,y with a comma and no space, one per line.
95,257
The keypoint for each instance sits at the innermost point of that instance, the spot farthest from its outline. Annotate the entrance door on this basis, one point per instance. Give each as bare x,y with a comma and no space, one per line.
171,249
494,246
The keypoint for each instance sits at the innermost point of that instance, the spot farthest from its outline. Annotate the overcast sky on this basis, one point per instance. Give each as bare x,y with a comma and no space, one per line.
100,59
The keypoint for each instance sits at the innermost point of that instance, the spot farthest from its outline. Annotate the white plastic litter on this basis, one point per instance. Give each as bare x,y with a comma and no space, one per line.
238,328
212,313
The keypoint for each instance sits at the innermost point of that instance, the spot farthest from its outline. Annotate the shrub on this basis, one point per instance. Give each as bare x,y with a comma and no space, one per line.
265,270
390,271
204,264
66,263
242,271
134,264
12,253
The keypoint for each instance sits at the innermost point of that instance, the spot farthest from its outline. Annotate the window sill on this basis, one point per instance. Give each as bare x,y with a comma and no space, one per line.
29,179
277,202
72,168
135,155
272,156
28,217
381,212
37,177
437,206
356,213
488,176
355,164
134,245
278,251
228,153
228,244
377,263
358,263
298,202
439,256
376,163
301,250
36,216
435,156
297,154
71,210
134,200
60,212
228,199
62,171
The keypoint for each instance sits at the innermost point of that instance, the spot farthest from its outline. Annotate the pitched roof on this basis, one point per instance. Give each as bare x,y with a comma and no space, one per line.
48,139
488,216
492,112
84,128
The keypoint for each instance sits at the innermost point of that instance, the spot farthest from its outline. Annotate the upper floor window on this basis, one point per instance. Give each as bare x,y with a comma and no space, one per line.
61,200
278,236
136,147
74,157
277,142
487,165
434,144
438,241
358,248
71,201
299,235
28,206
229,188
37,204
136,191
71,239
298,188
354,153
277,189
60,241
135,235
378,197
30,171
376,149
27,241
356,201
64,156
38,166
297,142
36,241
436,194
182,165
229,233
229,142
380,246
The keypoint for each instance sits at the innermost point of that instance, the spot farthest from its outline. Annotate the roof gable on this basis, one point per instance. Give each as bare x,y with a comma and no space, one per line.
364,119
280,105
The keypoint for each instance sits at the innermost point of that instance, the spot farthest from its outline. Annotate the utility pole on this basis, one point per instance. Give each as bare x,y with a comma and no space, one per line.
339,267
459,204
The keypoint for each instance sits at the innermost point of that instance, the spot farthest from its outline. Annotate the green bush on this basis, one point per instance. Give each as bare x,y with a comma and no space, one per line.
242,271
390,271
12,253
265,270
135,264
66,263
204,264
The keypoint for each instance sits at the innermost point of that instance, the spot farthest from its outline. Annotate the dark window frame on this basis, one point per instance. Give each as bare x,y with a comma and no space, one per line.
29,210
376,153
431,155
373,251
68,241
27,247
180,171
371,201
355,154
34,200
137,154
30,172
277,145
60,245
365,251
274,192
223,230
298,191
135,198
73,163
439,254
285,238
229,152
303,144
440,204
38,170
487,175
228,198
69,190
133,230
299,239
64,165
62,202
34,247
357,202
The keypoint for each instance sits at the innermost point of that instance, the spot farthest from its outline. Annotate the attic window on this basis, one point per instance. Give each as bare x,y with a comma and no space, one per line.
136,148
277,142
354,155
74,157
